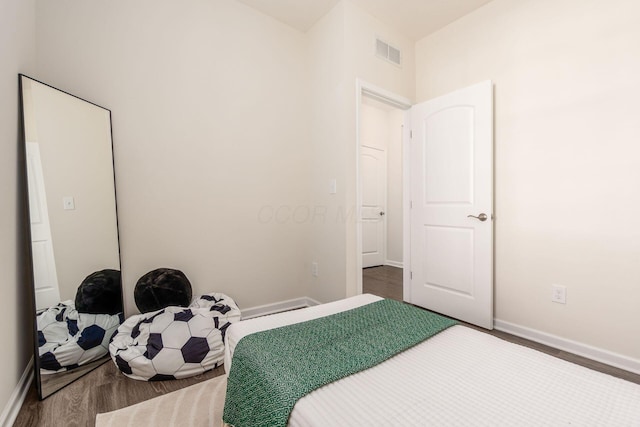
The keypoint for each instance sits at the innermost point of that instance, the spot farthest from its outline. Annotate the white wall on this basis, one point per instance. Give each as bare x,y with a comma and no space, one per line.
326,62
209,102
341,51
18,53
201,96
567,158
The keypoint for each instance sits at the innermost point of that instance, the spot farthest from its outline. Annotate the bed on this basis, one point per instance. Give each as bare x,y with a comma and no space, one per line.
458,377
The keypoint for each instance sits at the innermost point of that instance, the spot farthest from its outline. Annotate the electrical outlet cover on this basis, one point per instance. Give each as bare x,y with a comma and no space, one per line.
559,294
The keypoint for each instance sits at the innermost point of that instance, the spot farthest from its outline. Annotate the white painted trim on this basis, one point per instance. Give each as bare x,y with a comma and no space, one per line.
397,264
564,344
10,411
406,211
278,307
383,95
397,101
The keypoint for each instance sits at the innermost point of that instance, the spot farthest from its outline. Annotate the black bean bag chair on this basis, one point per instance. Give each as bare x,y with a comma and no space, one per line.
160,288
100,293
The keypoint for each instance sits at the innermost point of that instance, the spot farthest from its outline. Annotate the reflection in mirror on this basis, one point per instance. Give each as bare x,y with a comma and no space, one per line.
73,232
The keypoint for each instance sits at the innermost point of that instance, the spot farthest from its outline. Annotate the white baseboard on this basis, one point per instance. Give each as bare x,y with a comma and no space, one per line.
10,411
585,350
397,264
278,307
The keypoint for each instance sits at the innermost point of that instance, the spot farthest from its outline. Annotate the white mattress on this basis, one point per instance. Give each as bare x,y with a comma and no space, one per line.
460,377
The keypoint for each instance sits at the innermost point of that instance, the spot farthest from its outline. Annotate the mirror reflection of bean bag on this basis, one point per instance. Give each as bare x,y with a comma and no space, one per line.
160,288
68,339
174,342
100,293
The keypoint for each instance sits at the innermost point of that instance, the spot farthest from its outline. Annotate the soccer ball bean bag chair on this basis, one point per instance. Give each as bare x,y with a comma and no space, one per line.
68,338
174,342
160,288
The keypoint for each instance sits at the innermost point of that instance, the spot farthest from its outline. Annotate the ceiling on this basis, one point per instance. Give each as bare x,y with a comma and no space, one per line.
414,18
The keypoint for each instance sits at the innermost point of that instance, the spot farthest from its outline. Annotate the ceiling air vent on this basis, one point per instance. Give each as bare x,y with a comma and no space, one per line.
385,51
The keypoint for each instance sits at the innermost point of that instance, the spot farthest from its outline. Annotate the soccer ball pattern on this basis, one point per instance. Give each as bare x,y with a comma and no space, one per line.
68,339
174,342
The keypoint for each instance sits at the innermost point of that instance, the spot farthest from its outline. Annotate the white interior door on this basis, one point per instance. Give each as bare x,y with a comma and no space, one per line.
45,276
373,166
452,203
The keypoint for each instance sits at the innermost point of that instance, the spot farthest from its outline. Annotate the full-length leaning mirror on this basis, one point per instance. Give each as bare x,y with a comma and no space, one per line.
73,233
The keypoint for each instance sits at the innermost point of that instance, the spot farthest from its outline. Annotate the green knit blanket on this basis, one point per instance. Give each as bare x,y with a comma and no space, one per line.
272,369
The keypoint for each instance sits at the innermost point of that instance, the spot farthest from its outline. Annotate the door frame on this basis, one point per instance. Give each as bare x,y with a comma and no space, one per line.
364,88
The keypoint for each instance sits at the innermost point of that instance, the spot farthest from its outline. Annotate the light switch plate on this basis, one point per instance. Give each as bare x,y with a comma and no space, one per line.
68,203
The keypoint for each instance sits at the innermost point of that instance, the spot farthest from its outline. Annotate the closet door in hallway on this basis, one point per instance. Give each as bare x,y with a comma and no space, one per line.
373,166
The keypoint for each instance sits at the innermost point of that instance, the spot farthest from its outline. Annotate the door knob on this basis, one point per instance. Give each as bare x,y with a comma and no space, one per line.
481,217
382,214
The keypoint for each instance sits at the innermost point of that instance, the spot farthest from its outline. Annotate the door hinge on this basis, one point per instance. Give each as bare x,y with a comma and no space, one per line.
411,275
410,204
411,134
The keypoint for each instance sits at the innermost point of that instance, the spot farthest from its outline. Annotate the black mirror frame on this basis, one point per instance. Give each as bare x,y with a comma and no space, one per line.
29,270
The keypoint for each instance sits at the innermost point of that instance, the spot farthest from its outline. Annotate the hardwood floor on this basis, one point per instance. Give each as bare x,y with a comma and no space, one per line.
383,281
103,390
386,281
106,389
